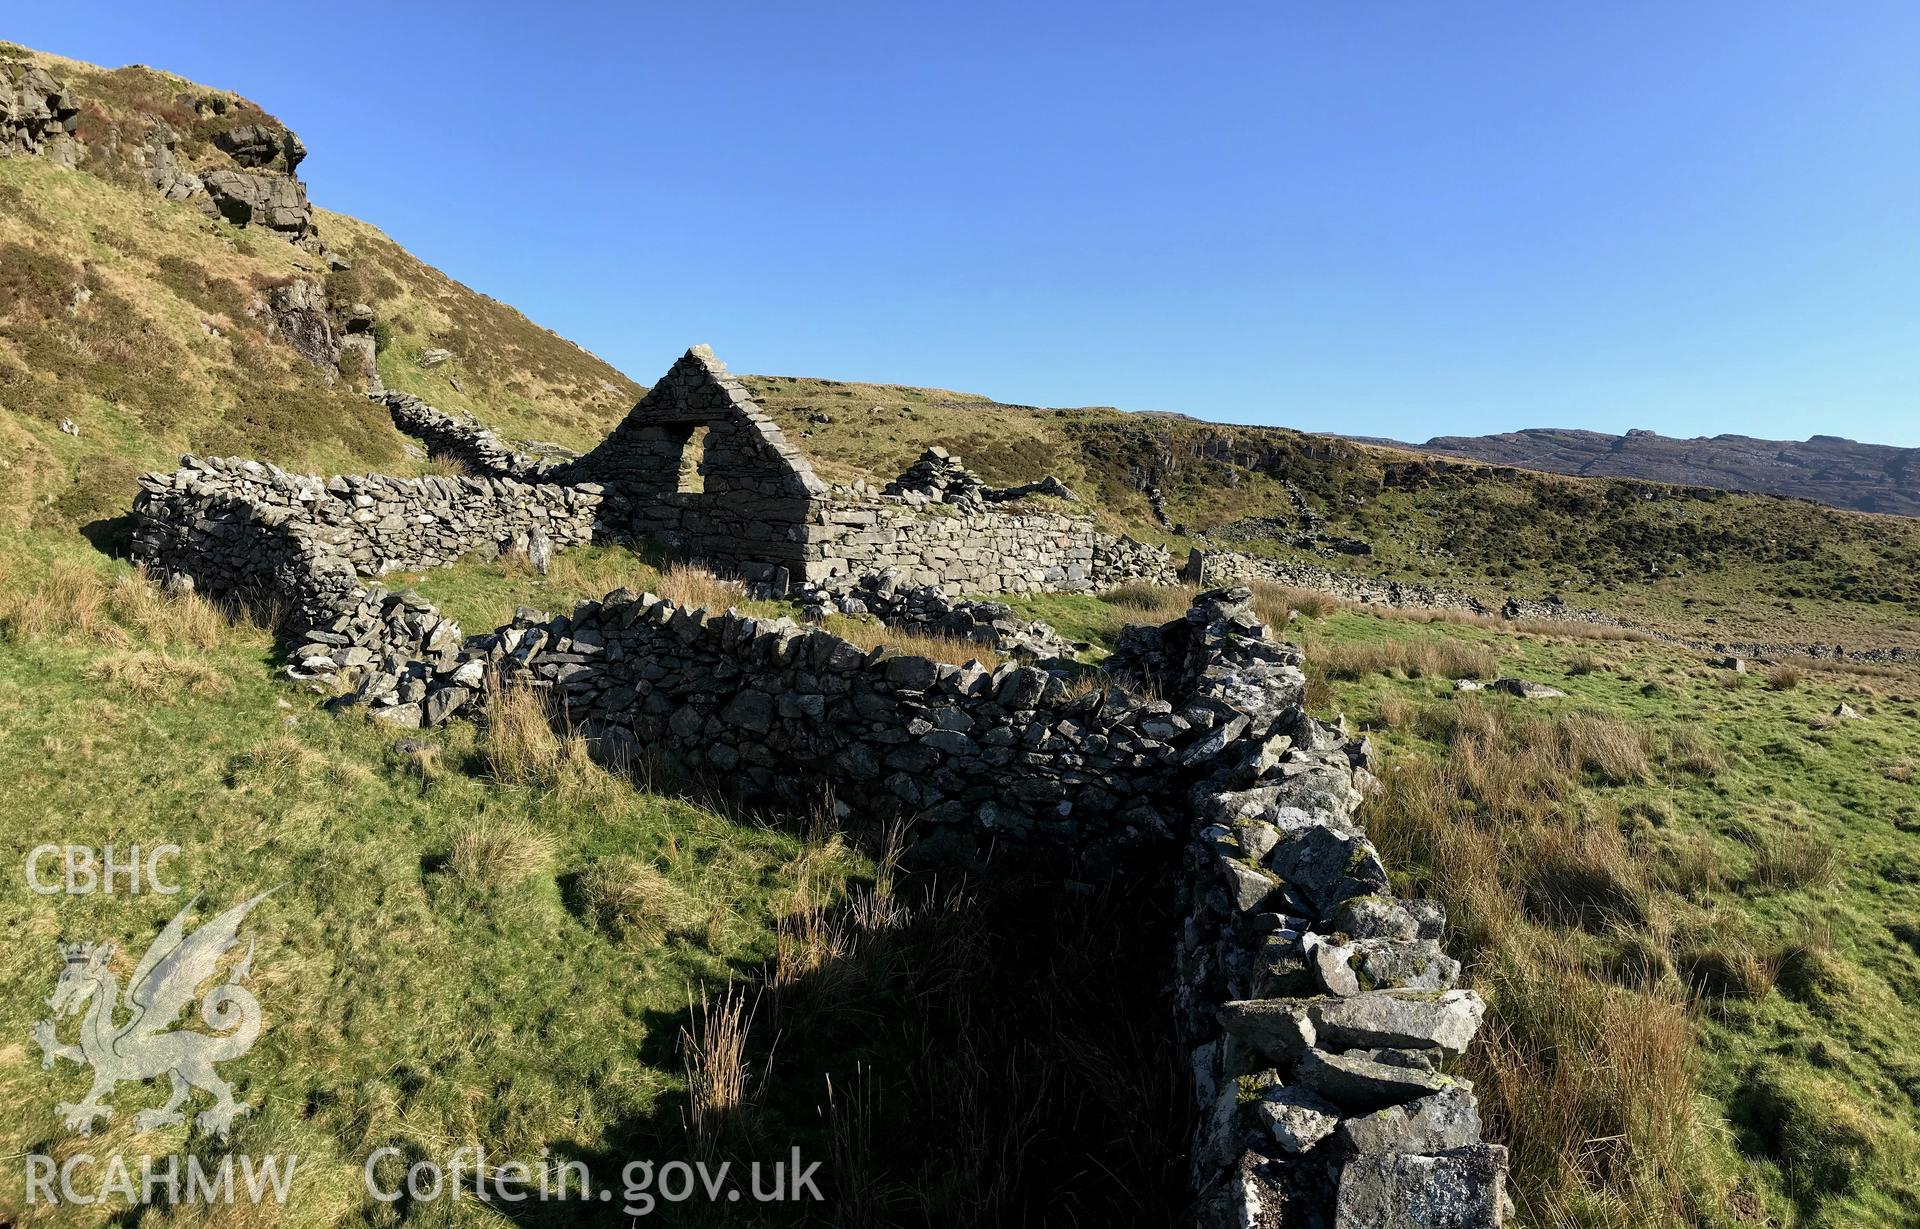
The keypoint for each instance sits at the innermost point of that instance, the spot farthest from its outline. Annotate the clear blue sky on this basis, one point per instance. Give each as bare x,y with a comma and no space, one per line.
1392,219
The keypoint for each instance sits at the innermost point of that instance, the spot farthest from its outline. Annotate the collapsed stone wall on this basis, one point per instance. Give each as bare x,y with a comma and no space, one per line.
300,544
767,703
927,610
1230,567
1318,1010
465,439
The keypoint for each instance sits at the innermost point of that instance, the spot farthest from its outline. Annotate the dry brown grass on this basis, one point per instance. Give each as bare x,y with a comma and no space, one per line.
500,855
696,588
1615,752
713,1048
1553,904
525,744
1276,603
870,635
1785,678
1613,1129
1794,860
1449,659
153,676
76,603
276,765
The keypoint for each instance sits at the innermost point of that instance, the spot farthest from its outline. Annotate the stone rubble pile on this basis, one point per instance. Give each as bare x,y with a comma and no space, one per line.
927,610
938,477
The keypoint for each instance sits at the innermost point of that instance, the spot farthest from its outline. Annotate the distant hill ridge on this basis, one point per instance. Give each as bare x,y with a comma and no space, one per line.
1827,469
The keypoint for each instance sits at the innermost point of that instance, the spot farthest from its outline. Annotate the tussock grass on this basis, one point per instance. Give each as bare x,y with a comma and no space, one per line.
526,745
1785,678
276,764
1792,860
694,587
632,898
1276,604
496,856
713,1048
77,603
1153,603
1613,751
1615,1131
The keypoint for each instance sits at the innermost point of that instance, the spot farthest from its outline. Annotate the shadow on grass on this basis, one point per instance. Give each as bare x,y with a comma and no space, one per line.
971,1050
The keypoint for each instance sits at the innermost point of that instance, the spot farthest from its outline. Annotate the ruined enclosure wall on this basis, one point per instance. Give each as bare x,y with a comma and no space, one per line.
767,705
463,438
979,552
208,517
300,544
1318,1011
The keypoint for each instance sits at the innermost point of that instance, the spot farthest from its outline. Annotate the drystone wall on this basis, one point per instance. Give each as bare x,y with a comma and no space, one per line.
982,551
301,544
1320,1012
463,438
1231,567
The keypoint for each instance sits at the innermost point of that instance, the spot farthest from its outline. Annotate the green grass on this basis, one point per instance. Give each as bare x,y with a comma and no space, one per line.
1752,861
420,987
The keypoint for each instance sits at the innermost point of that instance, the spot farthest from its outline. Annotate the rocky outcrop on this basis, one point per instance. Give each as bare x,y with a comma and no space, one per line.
37,115
251,181
276,202
1824,468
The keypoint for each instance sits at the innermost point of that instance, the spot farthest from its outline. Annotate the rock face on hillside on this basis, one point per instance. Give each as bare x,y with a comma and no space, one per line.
37,115
220,153
1825,468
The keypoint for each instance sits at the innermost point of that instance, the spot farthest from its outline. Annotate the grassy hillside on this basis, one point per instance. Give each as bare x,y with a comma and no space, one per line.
1690,559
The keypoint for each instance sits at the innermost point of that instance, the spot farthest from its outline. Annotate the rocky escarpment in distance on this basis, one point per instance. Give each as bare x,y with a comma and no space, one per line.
1826,469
